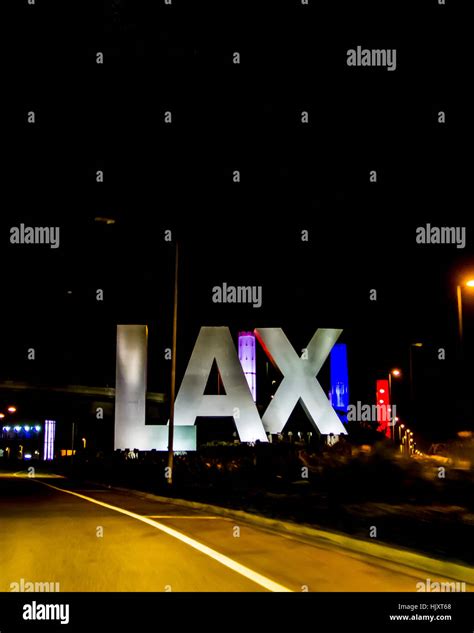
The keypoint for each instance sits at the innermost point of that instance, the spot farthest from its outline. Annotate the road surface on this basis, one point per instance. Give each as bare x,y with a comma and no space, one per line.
97,539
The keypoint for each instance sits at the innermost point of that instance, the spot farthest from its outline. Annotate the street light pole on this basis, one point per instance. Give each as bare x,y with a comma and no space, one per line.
394,372
412,385
391,403
72,441
173,370
460,324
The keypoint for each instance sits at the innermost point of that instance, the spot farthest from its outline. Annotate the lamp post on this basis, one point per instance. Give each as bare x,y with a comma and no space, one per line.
397,373
406,437
400,427
468,284
400,441
412,345
173,370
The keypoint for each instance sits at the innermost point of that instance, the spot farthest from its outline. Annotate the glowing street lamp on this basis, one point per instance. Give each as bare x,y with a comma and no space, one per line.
469,283
11,409
400,428
397,373
2,415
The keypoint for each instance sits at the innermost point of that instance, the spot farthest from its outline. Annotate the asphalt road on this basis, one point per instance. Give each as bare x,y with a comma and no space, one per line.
136,544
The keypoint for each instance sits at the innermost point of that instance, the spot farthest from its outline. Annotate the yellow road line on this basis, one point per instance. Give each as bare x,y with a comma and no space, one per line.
248,573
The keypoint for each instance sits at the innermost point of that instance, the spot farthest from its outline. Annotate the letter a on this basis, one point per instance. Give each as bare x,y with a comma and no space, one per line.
215,343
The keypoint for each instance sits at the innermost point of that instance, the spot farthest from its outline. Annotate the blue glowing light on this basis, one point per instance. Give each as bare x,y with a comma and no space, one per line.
339,394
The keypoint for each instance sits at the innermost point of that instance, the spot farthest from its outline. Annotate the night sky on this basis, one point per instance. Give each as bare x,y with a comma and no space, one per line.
294,177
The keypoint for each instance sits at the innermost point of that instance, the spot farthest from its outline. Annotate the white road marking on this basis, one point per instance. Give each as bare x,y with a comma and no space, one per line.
176,516
248,573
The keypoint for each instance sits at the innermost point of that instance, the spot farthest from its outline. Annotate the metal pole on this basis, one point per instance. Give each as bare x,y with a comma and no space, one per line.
392,433
460,328
173,370
72,441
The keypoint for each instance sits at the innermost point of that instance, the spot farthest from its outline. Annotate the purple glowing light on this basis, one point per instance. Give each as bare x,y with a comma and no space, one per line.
49,435
248,360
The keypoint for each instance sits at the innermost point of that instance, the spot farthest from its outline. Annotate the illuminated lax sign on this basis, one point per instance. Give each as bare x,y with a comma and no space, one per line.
299,384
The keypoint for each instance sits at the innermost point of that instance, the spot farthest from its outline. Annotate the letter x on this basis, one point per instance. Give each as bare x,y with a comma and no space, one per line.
299,382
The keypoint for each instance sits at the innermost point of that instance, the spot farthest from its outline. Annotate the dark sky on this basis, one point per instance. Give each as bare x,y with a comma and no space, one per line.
293,177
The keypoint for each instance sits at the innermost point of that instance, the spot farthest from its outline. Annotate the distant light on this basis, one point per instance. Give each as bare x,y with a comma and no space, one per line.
103,220
381,401
382,391
397,419
49,435
417,344
2,415
470,283
27,428
17,428
11,409
396,372
37,428
6,428
27,456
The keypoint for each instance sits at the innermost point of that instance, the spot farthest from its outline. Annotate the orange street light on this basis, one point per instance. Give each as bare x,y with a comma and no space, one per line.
11,409
469,283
